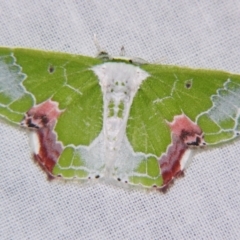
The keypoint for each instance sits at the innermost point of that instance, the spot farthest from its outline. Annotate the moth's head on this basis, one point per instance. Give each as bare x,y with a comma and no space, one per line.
105,57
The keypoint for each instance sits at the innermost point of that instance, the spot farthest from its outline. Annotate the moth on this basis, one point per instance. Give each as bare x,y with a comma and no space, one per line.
118,119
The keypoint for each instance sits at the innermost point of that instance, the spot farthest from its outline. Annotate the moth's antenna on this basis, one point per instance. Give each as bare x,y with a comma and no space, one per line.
97,43
122,52
102,54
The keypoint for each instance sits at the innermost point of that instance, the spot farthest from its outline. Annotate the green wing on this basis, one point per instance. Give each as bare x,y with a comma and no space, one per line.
30,77
209,98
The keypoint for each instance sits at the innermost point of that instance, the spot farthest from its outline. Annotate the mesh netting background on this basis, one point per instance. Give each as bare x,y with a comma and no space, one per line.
205,204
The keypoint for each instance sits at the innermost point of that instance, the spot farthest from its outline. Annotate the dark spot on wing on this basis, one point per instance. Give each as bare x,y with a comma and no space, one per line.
51,69
45,119
30,124
196,142
188,84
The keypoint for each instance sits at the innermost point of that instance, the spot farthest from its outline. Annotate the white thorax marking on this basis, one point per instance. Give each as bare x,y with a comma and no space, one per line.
119,83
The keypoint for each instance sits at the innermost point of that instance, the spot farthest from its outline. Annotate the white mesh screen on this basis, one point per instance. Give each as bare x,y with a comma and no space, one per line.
202,205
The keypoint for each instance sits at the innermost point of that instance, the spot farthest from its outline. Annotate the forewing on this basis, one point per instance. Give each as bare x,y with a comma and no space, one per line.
40,83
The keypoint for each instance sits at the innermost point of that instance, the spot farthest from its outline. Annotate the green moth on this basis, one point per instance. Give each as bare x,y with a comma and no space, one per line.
116,118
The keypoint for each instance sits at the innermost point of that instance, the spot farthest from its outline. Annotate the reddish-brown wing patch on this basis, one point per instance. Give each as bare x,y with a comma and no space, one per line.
185,134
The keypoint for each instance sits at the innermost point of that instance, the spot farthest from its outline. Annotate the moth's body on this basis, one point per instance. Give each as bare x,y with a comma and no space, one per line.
119,83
